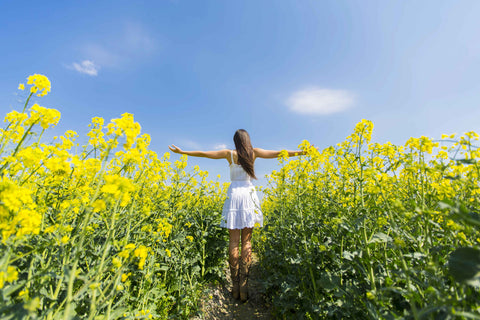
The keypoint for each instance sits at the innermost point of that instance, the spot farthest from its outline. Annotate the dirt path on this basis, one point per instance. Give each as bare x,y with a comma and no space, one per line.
219,304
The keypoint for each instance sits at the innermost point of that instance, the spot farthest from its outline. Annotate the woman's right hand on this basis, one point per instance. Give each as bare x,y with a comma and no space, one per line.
175,149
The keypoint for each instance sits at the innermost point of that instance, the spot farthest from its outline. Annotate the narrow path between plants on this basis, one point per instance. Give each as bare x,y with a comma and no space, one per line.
219,304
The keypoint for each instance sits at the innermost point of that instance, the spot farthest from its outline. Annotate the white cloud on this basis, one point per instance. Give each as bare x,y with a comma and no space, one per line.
87,67
319,101
220,146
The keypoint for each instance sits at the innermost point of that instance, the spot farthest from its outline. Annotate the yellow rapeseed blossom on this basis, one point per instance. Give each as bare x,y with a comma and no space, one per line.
23,293
10,275
18,214
45,116
125,125
117,263
125,276
40,84
141,252
370,295
119,188
164,228
99,205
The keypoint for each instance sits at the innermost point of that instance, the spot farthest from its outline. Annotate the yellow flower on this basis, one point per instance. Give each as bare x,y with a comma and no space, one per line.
12,274
125,276
9,276
23,293
462,236
45,116
127,126
119,188
117,263
40,83
124,254
370,295
94,286
21,86
130,246
169,253
99,205
141,252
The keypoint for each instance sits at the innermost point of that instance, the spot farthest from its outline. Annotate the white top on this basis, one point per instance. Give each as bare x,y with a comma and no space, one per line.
237,173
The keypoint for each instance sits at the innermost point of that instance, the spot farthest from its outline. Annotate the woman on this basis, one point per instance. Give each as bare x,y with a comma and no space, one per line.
241,211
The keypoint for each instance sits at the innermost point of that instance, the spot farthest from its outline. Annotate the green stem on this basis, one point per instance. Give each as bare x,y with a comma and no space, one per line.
26,102
79,246
106,247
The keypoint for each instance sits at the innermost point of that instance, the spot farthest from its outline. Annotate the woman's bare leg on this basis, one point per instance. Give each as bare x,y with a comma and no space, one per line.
247,245
233,260
245,261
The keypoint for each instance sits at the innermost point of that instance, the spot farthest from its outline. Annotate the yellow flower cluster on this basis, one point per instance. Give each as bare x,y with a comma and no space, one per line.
45,116
125,125
118,187
39,83
164,228
18,214
142,252
10,275
97,210
358,169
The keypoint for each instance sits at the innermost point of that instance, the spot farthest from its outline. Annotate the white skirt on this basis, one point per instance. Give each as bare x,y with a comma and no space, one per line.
242,207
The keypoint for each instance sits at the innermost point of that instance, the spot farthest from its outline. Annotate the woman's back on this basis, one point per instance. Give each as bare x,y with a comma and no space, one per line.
237,173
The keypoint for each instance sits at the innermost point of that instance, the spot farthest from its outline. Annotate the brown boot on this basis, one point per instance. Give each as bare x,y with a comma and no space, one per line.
234,274
244,269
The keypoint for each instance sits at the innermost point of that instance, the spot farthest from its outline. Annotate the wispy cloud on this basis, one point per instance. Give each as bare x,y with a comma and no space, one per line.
220,146
320,101
188,144
137,40
130,46
102,54
86,66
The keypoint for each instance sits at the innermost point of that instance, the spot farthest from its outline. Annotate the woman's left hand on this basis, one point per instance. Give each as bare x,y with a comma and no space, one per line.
175,149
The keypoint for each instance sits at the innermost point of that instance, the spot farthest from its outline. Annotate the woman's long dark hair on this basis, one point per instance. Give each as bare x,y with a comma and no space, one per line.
244,151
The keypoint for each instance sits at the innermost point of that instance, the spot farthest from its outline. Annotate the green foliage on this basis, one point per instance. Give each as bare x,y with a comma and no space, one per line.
368,231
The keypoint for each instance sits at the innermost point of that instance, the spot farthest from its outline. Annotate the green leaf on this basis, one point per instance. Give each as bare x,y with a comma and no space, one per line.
380,237
348,255
464,265
467,315
8,290
328,282
415,255
467,161
446,204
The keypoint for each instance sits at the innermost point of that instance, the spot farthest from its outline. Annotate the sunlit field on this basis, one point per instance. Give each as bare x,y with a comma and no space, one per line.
365,230
111,230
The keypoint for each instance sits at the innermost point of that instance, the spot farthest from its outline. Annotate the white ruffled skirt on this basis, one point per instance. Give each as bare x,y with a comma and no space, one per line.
242,207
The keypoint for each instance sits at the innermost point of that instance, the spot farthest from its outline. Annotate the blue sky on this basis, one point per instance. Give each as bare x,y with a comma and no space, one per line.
192,72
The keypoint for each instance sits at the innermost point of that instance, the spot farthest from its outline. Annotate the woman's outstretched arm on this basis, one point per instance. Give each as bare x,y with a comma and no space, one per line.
270,154
217,154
